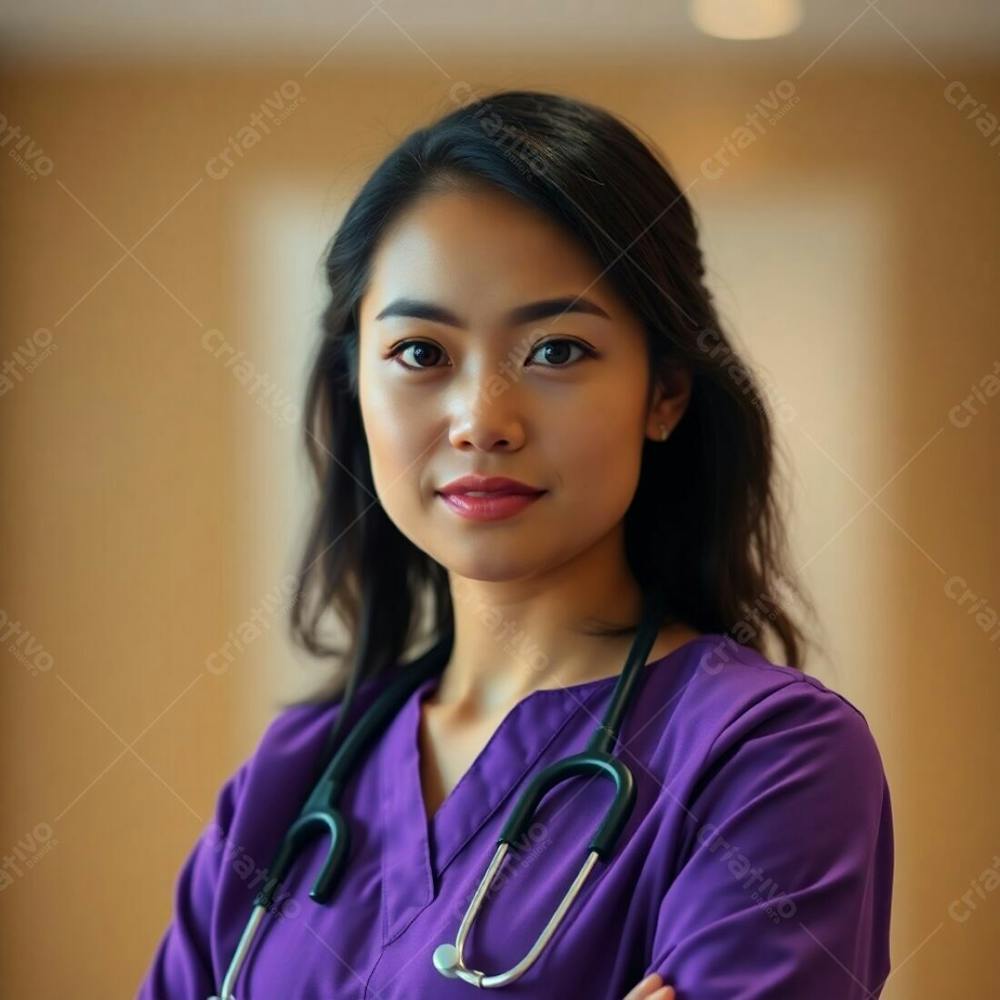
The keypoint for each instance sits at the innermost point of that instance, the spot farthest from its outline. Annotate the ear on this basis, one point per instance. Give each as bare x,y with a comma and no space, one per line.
670,400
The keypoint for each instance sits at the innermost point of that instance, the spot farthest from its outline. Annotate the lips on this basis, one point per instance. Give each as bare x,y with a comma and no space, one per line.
489,486
491,507
488,498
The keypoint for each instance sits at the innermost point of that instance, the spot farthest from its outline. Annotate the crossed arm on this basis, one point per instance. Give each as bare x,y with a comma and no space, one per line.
651,988
797,795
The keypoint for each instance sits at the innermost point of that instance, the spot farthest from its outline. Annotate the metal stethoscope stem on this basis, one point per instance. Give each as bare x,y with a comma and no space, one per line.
239,956
448,958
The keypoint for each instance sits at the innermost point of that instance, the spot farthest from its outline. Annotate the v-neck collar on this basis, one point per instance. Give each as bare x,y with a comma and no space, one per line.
415,850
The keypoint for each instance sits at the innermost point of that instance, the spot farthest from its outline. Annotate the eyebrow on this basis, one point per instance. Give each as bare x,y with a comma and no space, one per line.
529,313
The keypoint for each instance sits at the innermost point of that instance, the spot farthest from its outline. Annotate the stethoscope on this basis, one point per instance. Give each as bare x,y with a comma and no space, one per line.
320,814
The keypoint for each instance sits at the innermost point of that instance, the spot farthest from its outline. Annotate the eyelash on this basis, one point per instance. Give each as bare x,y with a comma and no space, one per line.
402,345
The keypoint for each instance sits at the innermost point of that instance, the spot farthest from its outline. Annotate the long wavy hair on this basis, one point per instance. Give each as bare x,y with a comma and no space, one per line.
704,524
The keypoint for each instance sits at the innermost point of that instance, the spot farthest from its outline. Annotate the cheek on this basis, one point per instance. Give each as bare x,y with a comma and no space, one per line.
398,445
598,452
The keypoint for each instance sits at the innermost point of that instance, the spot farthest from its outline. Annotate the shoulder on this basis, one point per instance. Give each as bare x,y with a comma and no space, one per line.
731,689
275,778
296,730
734,710
298,733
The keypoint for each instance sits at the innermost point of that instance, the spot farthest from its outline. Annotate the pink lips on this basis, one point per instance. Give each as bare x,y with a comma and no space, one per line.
488,498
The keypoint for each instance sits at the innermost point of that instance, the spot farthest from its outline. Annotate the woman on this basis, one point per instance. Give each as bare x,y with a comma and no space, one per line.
517,294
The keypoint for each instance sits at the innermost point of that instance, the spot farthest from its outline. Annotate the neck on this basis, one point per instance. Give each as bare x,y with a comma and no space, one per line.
515,637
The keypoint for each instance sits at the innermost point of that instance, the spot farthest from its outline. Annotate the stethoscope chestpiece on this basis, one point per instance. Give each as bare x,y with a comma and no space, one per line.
445,961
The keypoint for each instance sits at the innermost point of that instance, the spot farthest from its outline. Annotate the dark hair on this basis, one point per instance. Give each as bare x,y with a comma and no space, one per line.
704,522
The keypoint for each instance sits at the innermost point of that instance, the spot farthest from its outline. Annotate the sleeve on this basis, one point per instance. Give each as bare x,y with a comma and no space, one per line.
182,965
784,887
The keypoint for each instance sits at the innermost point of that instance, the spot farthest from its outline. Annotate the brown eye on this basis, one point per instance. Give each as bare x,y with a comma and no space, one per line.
422,355
555,352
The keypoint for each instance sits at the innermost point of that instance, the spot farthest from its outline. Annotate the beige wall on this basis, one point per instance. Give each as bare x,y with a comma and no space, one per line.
854,250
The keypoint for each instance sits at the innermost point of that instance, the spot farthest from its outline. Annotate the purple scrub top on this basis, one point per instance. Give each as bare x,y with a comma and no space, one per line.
757,862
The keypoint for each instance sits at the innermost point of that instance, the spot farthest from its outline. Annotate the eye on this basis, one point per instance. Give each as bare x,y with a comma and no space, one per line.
554,347
421,348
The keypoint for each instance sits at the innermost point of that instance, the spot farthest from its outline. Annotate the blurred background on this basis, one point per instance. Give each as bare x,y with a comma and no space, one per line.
170,178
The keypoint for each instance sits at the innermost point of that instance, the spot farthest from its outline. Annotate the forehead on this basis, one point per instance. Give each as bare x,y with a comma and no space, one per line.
480,251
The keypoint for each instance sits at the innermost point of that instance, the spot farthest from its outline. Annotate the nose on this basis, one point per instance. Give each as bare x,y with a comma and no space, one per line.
488,422
483,434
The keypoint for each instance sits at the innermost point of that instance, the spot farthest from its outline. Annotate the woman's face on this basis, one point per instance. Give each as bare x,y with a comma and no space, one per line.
555,402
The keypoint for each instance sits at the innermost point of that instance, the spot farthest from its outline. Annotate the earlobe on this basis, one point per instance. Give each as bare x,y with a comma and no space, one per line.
672,397
660,432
